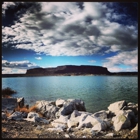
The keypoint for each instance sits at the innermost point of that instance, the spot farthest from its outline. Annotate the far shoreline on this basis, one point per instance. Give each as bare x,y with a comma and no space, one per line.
39,75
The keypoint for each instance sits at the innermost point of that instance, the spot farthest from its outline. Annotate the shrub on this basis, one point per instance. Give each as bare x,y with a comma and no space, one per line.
7,92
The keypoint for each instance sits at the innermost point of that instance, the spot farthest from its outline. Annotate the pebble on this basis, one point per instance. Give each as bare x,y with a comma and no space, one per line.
67,136
109,135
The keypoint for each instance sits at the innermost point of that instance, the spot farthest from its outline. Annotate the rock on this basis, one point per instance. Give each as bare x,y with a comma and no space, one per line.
32,114
59,102
20,102
47,108
135,128
100,126
72,123
93,132
72,104
117,106
62,119
121,122
33,119
24,114
131,116
67,136
89,121
9,104
101,114
43,120
109,135
38,127
132,106
60,125
16,116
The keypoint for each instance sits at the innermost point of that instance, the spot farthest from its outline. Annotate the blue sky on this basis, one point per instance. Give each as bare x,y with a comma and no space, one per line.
50,34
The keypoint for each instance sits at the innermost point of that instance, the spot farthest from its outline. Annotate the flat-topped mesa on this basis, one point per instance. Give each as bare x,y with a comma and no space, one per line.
69,69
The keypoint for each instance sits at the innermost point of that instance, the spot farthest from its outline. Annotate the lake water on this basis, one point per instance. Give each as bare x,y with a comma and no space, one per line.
96,91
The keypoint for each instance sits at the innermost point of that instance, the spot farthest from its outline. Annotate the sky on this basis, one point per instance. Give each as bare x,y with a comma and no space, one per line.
51,34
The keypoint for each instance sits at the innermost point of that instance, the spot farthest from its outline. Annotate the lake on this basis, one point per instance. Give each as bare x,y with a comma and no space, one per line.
96,91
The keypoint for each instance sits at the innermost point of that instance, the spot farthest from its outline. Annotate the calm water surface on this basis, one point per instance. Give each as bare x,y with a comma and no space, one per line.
96,91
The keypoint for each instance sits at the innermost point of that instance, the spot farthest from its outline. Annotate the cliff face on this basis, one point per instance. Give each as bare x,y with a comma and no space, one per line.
68,70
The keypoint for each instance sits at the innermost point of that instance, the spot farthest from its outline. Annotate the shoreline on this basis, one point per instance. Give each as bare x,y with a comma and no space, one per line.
69,119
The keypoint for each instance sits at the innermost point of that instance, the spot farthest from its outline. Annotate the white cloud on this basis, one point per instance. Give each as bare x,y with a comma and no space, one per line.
92,61
18,64
129,59
6,70
6,5
38,58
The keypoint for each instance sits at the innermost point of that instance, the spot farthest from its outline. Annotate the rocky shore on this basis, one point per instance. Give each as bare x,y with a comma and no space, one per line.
68,119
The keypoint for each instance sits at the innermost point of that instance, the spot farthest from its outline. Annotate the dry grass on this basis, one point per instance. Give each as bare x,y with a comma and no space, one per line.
26,110
7,114
33,108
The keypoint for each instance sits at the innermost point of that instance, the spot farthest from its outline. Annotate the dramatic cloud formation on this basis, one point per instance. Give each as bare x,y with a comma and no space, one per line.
72,29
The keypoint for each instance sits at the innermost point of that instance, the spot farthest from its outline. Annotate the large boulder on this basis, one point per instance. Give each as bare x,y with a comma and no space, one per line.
62,119
72,104
121,121
88,121
117,106
101,114
47,108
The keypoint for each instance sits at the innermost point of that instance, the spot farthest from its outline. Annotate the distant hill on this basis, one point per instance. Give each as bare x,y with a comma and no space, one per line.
69,70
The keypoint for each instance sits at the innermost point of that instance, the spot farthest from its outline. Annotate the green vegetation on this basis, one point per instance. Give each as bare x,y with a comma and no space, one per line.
7,92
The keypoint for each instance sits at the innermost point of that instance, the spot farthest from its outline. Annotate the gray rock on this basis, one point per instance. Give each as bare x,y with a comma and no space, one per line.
135,128
101,114
72,123
20,102
72,104
16,116
121,122
88,121
59,102
43,120
47,108
100,126
33,119
59,125
132,106
32,114
62,119
109,135
117,106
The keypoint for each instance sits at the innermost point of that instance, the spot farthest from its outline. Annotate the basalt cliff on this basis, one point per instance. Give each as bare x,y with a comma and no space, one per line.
69,70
